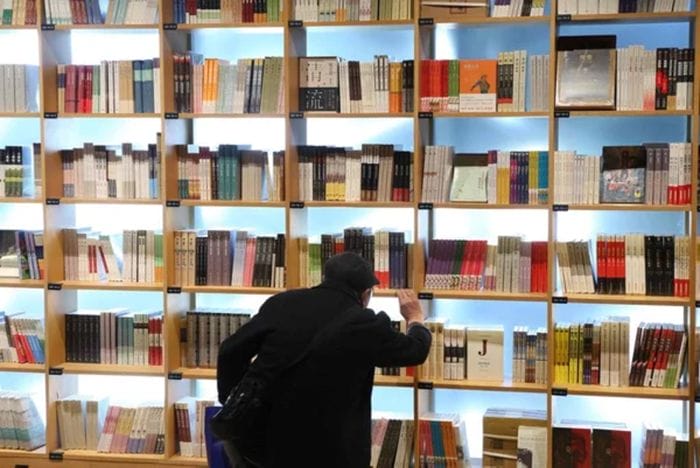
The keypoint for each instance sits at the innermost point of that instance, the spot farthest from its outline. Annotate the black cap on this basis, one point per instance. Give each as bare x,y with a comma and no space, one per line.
351,269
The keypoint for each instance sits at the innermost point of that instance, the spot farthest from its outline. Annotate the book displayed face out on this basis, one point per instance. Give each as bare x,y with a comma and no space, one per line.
485,354
586,78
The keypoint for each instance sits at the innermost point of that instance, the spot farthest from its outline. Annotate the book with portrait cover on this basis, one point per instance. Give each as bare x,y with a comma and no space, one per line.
477,85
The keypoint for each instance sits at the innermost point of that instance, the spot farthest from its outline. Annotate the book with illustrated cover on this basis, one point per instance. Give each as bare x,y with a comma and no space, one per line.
532,446
586,72
469,180
318,84
612,447
477,85
571,447
623,174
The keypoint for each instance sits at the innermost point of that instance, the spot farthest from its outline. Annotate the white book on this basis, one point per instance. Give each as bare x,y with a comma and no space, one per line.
485,354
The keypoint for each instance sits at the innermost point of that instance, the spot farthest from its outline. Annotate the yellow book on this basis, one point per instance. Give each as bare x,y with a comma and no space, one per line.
532,178
573,351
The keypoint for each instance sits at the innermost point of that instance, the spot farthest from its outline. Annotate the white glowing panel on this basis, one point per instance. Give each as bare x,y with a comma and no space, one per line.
19,131
26,216
352,133
114,219
90,47
260,134
531,225
260,222
19,47
335,220
73,133
28,383
124,389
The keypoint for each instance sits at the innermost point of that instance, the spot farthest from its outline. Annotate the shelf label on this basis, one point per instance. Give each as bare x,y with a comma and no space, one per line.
697,398
21,466
560,300
295,23
296,205
50,115
563,18
174,289
425,295
55,286
296,115
425,385
48,27
426,21
697,304
55,370
170,26
53,201
172,115
425,115
560,207
559,392
172,203
58,456
561,114
174,375
425,206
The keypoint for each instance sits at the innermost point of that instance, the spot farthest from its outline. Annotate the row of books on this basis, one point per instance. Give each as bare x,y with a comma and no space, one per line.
496,177
250,85
229,173
662,448
88,256
515,8
88,423
89,12
21,339
475,85
20,89
399,326
98,171
376,172
653,173
659,355
203,330
592,353
22,426
349,86
443,440
226,11
626,264
112,87
529,355
18,13
351,10
515,437
654,79
391,443
229,258
190,422
22,254
512,265
115,336
387,251
16,170
588,7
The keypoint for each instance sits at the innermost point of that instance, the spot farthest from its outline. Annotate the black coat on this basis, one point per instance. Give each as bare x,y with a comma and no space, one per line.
320,413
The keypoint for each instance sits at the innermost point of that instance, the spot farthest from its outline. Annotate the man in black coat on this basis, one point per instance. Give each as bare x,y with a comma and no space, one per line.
320,407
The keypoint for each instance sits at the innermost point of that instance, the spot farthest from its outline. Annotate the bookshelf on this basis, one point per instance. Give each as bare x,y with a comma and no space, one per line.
550,130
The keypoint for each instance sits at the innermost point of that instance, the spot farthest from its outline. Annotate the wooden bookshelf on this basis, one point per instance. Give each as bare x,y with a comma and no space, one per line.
18,283
351,115
393,381
368,204
187,461
109,369
20,115
665,17
91,455
629,207
487,206
26,367
481,115
619,113
31,454
113,286
624,299
234,203
251,115
495,20
72,27
231,289
20,200
105,115
626,392
196,26
109,201
486,295
505,386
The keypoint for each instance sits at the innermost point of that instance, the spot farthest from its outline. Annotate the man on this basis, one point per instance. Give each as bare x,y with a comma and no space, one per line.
320,413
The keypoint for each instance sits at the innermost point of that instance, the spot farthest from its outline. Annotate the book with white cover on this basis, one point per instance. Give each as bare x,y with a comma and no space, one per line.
485,353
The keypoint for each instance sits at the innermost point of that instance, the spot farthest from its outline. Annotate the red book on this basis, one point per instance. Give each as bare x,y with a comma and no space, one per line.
572,447
612,448
87,95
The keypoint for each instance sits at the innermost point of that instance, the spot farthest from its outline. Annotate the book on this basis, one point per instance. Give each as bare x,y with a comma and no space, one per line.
623,174
469,180
485,354
477,85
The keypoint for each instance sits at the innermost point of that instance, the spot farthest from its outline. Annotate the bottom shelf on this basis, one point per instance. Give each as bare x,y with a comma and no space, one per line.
37,453
120,457
187,461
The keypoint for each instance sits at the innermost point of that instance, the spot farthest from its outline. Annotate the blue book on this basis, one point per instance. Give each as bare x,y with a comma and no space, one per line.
216,455
138,86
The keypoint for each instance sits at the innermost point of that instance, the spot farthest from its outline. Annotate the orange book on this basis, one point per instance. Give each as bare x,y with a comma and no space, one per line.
477,85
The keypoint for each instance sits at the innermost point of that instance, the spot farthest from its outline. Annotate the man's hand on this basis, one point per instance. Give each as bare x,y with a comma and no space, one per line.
410,306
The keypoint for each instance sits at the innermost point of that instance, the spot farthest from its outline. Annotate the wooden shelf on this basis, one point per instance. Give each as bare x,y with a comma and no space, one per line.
359,115
10,27
231,290
393,381
117,457
190,115
388,292
509,20
114,285
108,369
486,295
20,115
445,115
21,200
488,206
194,26
321,24
505,386
18,283
38,453
17,367
624,299
187,461
627,392
628,207
68,27
196,373
75,115
360,204
110,201
635,17
616,113
233,203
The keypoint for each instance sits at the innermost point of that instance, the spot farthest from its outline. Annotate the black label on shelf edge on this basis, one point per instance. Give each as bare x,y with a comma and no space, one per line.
560,207
170,26
50,115
562,114
55,370
425,295
560,300
172,203
296,205
53,201
425,385
426,21
172,115
425,206
697,398
425,115
174,290
295,23
48,27
174,375
21,466
563,18
296,115
56,456
560,392
55,286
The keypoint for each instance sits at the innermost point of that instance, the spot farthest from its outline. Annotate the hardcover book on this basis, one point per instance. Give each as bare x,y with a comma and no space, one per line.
485,354
469,181
477,85
623,174
586,72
